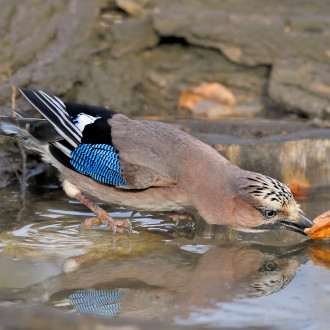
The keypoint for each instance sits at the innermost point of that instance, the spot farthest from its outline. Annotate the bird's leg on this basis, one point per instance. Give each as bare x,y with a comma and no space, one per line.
101,216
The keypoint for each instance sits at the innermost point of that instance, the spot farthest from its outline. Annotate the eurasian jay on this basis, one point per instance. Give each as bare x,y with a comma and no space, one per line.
170,283
148,166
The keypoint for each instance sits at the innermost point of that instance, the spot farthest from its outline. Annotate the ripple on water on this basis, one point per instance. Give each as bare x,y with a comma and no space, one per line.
58,232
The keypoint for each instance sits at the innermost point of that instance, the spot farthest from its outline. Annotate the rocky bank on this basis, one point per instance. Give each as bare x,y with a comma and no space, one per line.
137,56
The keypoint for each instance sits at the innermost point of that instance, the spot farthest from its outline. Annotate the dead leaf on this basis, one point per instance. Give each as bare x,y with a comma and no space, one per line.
321,228
320,255
214,92
299,188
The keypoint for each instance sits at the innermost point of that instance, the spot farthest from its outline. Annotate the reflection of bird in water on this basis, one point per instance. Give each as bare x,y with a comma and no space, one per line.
171,283
148,166
273,277
97,302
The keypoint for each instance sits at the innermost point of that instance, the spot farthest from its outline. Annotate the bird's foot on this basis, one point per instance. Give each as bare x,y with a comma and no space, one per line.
117,225
103,217
90,222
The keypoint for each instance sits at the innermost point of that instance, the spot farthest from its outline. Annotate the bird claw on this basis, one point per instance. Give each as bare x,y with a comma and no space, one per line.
102,217
90,222
114,224
121,225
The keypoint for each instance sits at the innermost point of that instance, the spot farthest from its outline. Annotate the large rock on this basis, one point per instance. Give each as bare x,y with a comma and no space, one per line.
95,48
44,46
297,157
292,38
302,85
150,82
247,32
132,36
112,83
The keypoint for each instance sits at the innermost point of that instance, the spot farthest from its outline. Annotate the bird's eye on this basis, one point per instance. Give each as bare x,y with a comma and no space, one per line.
268,214
268,266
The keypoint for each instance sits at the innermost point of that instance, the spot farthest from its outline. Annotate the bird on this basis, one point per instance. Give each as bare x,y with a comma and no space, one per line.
143,165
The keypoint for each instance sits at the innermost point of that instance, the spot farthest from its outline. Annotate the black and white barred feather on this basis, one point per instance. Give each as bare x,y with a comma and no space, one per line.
79,136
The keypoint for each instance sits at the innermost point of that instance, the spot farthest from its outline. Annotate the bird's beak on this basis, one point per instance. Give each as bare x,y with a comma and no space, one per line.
297,226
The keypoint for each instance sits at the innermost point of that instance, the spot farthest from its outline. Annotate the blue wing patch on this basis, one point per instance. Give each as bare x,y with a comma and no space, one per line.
97,302
100,162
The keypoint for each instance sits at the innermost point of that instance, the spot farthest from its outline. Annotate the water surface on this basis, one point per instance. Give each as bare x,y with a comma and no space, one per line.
190,274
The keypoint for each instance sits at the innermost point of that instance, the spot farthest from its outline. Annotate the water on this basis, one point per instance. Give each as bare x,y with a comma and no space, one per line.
209,276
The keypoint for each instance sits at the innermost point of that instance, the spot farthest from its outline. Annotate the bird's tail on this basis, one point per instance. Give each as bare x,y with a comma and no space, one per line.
34,132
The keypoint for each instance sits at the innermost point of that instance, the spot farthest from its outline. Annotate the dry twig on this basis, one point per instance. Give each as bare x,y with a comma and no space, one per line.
22,178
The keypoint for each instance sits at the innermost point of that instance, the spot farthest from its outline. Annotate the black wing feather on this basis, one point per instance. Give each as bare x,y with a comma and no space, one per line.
100,130
44,131
76,127
74,109
54,110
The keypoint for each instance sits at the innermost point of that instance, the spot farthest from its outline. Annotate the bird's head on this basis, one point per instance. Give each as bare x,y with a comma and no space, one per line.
271,204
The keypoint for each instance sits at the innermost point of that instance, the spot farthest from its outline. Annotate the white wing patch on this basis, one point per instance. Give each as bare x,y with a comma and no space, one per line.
83,119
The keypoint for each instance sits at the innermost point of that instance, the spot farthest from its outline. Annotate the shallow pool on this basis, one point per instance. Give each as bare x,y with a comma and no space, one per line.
192,274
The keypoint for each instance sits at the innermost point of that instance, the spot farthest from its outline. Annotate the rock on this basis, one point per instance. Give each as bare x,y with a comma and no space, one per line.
247,33
178,44
302,85
256,35
211,110
229,130
131,7
137,56
288,158
214,111
132,36
288,151
114,90
49,54
95,30
168,71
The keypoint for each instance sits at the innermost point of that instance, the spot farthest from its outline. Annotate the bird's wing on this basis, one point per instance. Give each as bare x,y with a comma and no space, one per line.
146,150
134,161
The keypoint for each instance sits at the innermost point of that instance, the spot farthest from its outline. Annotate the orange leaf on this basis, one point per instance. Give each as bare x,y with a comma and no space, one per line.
321,227
299,188
207,91
320,255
